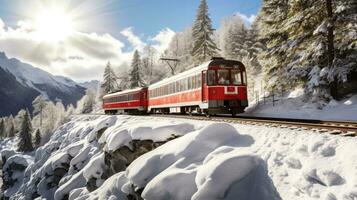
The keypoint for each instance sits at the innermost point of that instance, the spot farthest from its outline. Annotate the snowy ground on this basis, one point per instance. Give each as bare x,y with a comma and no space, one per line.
209,161
292,105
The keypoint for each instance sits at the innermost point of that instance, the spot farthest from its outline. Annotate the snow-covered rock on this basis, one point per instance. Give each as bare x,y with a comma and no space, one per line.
13,169
163,158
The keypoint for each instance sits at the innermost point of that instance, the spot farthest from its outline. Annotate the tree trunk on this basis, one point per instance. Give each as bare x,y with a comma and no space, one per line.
330,46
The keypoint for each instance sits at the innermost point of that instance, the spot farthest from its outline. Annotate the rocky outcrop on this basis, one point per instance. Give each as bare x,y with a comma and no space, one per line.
13,169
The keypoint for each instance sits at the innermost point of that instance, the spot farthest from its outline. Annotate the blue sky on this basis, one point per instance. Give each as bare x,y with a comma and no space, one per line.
146,16
97,31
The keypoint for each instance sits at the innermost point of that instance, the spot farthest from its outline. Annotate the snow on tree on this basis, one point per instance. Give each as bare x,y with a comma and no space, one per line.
204,47
37,141
70,110
2,128
89,101
232,38
50,120
344,67
270,19
12,131
38,104
309,45
60,114
135,73
18,119
109,83
25,137
180,48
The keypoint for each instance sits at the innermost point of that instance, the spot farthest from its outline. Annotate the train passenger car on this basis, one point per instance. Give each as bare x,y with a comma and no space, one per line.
216,87
133,101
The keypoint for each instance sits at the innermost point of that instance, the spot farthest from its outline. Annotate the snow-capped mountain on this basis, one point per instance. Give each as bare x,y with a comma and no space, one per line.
93,84
53,87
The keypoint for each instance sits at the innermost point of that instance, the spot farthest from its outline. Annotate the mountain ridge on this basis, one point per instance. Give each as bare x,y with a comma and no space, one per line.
52,87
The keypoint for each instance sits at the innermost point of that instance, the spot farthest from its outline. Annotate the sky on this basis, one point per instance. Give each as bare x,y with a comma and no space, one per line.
76,38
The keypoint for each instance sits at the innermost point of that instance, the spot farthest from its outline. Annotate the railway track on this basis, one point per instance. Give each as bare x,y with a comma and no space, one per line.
343,128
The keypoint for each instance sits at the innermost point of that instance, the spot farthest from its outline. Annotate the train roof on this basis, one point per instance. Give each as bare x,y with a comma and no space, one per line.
124,92
195,70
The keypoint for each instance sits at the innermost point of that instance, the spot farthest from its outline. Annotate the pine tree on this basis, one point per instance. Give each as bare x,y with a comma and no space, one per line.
135,74
12,130
38,104
345,44
2,129
37,141
25,137
204,47
272,15
109,80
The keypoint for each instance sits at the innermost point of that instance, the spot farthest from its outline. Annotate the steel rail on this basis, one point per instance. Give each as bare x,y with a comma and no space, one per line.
343,128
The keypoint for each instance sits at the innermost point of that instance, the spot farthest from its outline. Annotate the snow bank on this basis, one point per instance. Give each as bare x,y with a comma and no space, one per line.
118,136
204,164
13,170
293,105
209,161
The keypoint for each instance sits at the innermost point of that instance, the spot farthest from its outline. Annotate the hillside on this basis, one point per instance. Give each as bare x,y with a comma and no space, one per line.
132,157
13,95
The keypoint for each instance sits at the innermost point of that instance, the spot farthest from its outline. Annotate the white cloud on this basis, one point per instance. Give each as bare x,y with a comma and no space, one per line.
248,19
81,56
133,39
163,39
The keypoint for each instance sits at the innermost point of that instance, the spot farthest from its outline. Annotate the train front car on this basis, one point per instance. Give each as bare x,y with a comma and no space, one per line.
215,87
224,88
133,101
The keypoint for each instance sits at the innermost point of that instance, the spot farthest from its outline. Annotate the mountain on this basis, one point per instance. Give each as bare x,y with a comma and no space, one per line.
24,77
13,95
93,84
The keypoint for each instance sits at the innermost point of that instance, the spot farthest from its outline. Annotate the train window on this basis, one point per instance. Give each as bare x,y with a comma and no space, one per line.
236,77
185,81
244,77
193,80
199,80
211,77
223,77
189,83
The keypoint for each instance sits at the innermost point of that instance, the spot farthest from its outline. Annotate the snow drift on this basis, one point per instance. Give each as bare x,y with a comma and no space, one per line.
187,159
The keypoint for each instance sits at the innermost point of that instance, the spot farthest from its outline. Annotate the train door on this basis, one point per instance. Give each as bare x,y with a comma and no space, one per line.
204,89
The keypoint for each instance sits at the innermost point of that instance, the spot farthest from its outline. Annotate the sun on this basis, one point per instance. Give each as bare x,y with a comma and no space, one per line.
53,25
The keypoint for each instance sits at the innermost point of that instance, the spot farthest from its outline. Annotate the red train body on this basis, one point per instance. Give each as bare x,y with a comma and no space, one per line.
131,101
217,87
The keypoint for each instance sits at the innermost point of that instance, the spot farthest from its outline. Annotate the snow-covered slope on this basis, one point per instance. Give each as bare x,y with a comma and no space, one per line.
52,87
293,105
209,161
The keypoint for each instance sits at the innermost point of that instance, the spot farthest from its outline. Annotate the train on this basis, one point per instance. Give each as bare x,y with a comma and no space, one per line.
215,87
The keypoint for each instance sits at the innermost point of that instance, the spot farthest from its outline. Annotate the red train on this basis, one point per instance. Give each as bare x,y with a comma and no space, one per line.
217,87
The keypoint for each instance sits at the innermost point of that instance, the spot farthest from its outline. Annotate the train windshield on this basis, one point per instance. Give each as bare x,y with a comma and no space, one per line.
236,77
226,77
223,77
